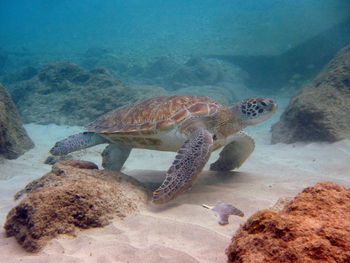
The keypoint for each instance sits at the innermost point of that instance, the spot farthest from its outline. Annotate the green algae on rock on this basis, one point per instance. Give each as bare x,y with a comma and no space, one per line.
67,94
321,110
14,140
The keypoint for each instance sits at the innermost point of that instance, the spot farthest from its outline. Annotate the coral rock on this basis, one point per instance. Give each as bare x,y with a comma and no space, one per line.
314,227
73,195
321,110
79,164
14,140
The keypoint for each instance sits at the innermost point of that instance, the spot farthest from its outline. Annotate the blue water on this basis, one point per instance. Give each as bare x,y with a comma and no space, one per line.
262,46
164,27
68,62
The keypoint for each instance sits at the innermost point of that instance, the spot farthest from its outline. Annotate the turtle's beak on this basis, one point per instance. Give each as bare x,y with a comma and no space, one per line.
271,105
274,107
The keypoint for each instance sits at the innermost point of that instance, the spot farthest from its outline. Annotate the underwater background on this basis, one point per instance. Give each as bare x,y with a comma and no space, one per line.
154,28
65,63
134,33
227,49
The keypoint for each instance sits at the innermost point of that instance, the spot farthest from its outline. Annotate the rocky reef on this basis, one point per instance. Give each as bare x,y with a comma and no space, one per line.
67,94
321,110
196,75
74,195
64,93
18,58
105,58
313,227
302,61
14,140
196,71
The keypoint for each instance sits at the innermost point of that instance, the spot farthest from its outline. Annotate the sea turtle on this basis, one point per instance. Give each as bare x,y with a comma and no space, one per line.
192,126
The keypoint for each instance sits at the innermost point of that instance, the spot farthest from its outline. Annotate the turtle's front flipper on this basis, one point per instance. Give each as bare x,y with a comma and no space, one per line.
77,142
189,161
235,153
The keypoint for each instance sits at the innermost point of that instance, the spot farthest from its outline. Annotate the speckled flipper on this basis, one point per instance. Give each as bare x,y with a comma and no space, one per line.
115,155
77,142
189,161
235,153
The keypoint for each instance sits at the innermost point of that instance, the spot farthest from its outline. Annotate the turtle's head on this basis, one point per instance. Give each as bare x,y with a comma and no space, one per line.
255,110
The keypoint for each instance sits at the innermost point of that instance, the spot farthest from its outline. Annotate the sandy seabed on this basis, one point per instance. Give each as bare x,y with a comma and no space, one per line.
182,231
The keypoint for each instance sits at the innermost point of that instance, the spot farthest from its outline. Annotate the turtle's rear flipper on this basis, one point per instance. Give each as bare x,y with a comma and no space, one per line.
189,162
115,155
235,153
77,142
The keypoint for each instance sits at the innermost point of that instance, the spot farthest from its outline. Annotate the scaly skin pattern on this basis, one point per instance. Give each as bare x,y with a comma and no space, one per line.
234,154
77,142
188,163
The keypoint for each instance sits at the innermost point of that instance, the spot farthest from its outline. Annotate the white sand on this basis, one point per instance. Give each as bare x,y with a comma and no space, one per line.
182,231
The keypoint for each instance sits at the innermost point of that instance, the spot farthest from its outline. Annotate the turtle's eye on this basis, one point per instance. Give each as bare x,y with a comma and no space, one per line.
215,137
263,103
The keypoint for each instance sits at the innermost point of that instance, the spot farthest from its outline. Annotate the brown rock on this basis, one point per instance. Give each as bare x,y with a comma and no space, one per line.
281,203
51,159
14,140
79,164
314,227
73,195
321,110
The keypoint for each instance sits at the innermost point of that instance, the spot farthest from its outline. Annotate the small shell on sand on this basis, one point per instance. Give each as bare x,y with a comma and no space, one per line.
223,211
